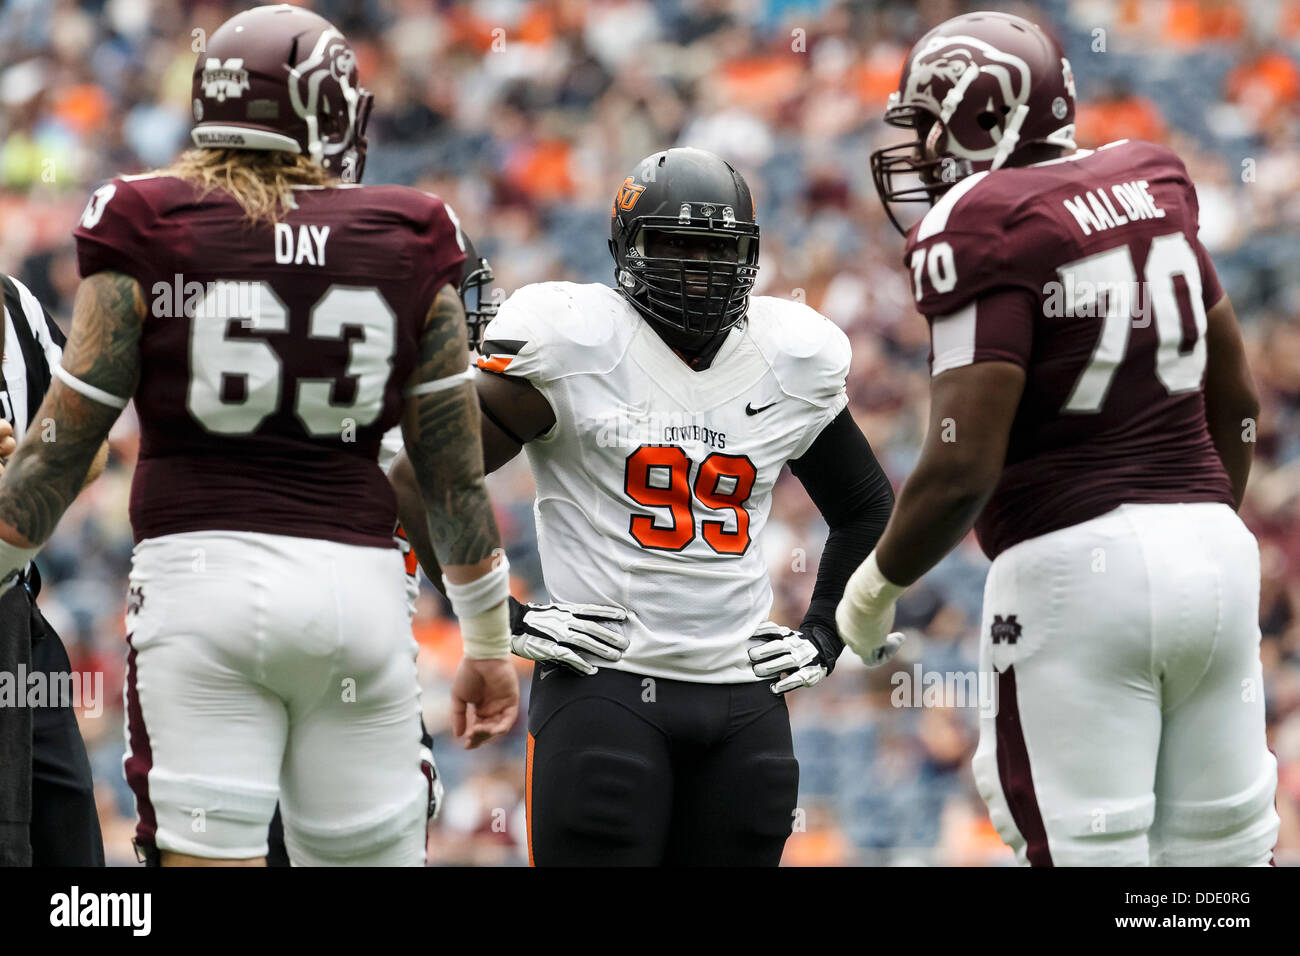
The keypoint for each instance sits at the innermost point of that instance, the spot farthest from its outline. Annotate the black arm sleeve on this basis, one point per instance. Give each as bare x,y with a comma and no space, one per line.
851,490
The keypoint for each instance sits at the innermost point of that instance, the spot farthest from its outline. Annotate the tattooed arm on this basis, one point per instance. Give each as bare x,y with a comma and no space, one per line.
510,408
54,461
97,465
441,433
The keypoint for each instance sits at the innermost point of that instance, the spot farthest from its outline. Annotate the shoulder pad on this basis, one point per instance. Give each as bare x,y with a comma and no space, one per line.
807,352
550,330
980,236
1155,162
114,229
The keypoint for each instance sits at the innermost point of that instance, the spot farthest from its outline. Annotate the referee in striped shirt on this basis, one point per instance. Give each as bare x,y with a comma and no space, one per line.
47,802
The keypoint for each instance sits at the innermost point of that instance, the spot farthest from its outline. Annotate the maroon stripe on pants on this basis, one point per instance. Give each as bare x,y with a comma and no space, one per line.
1013,772
139,761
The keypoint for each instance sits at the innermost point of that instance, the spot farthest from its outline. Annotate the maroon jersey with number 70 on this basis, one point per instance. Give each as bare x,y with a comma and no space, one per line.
1087,272
273,356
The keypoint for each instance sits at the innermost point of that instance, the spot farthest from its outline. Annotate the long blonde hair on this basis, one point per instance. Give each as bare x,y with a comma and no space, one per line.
260,180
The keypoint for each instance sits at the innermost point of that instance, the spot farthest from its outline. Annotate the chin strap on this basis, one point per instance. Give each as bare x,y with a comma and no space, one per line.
1010,137
954,97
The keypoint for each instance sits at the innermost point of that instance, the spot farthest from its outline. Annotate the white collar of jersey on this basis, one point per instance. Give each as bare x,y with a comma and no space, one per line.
1076,155
732,372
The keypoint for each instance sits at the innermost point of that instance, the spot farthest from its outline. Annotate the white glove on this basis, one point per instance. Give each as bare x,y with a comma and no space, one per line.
554,633
437,792
785,651
865,614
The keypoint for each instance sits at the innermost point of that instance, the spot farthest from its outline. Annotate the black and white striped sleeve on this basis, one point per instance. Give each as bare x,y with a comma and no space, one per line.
45,330
33,350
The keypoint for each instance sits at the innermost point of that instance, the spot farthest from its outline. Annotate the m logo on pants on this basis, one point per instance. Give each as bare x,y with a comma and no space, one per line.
1005,631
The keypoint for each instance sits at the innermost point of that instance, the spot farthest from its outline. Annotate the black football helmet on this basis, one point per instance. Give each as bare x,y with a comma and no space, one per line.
692,192
480,308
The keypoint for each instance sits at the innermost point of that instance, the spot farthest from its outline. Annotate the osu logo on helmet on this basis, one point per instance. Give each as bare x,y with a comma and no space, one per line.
628,194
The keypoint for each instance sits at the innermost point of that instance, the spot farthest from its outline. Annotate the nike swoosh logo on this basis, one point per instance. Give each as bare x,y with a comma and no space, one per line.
751,410
545,672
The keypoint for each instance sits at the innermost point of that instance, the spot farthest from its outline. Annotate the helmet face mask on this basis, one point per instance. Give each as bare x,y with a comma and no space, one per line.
480,306
700,295
919,170
685,244
982,90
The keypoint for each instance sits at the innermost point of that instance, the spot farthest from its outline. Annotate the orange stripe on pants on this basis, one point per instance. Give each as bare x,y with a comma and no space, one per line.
528,798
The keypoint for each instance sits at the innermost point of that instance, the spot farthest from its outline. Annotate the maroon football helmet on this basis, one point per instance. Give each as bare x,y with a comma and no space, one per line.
281,77
979,90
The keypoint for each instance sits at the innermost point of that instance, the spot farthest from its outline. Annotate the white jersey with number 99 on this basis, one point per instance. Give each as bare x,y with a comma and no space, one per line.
654,485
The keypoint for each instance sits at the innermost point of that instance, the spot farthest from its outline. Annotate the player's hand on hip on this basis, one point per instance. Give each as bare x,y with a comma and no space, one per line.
790,656
484,699
554,633
8,444
865,615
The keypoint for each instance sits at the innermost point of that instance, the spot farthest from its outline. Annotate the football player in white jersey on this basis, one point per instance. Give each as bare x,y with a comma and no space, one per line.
657,416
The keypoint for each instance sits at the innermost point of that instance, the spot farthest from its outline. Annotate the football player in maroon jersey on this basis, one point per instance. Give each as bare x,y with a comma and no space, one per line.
1091,415
271,320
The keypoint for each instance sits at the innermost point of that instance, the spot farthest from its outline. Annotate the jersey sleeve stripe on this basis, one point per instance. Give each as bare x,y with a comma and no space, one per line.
89,391
439,384
498,346
497,363
953,337
936,220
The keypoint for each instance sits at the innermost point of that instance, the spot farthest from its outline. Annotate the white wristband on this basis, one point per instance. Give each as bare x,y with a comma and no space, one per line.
88,390
486,636
480,606
868,587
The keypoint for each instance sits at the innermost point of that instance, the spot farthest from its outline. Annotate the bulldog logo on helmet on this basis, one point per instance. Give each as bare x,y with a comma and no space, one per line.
222,81
342,61
950,69
333,60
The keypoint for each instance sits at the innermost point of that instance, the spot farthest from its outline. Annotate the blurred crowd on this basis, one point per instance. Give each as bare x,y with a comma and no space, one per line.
525,115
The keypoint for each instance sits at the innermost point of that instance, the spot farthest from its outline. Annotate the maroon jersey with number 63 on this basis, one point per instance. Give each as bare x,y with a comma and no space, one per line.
273,356
1086,272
